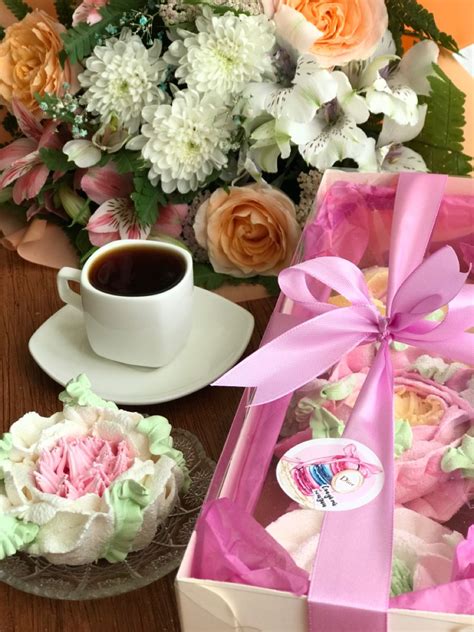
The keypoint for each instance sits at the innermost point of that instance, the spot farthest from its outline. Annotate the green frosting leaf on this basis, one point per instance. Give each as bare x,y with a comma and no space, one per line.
339,390
6,443
435,368
460,458
78,393
158,431
403,438
15,535
402,579
128,500
398,346
325,425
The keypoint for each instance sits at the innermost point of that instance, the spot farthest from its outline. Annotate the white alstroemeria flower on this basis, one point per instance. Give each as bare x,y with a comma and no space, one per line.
391,154
394,92
334,137
269,141
86,483
311,87
396,158
352,104
83,153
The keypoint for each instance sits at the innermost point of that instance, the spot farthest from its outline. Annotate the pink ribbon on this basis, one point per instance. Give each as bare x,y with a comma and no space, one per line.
350,581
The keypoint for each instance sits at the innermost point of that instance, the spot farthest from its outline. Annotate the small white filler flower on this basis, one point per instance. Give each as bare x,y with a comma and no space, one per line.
122,77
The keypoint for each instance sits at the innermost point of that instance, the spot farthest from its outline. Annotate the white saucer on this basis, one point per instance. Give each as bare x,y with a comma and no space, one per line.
220,333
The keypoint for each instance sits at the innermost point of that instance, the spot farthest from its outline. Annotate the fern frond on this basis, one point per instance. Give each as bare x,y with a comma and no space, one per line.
408,17
441,140
18,8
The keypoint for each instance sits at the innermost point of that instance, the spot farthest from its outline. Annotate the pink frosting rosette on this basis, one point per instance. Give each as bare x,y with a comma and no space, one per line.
90,482
434,418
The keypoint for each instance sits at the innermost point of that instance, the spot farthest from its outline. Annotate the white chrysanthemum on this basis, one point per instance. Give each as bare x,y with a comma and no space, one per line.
185,141
225,54
122,77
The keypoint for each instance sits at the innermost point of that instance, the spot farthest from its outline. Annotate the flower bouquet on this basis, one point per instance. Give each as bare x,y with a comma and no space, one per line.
211,123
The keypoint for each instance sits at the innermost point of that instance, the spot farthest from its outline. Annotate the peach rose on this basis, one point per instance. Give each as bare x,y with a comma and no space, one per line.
29,61
335,31
248,230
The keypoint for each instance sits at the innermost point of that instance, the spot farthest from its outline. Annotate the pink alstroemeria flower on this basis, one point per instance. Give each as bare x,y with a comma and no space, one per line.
20,161
115,219
88,11
171,219
104,183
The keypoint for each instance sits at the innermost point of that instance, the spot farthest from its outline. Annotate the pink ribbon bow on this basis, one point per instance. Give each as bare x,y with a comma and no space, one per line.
350,581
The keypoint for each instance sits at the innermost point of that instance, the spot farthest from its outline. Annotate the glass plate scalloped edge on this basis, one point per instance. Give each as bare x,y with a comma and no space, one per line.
39,577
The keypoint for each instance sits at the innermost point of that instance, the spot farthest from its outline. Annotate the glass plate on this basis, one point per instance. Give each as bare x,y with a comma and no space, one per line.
93,581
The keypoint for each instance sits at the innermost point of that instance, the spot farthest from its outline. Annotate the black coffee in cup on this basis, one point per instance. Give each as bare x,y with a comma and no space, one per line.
137,270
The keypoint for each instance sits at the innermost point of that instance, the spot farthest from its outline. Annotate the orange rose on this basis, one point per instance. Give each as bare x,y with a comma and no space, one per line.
249,230
29,61
335,31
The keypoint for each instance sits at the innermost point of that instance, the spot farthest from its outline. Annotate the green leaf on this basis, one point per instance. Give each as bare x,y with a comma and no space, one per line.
80,40
128,161
408,17
217,9
206,277
441,140
19,8
55,160
64,10
147,199
83,245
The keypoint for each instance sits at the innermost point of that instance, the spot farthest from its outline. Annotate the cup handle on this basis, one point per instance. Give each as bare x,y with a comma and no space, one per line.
66,294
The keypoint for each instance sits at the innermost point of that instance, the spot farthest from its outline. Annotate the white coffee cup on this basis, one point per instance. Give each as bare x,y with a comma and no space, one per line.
147,330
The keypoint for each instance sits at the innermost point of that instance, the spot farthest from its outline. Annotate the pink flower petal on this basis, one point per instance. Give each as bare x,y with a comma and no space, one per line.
171,219
15,151
18,169
104,219
30,184
100,239
88,12
28,124
50,137
103,183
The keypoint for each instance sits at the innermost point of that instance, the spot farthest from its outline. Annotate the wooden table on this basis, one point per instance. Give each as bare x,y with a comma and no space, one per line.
27,298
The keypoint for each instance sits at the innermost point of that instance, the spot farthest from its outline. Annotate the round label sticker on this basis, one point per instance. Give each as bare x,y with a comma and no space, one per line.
330,474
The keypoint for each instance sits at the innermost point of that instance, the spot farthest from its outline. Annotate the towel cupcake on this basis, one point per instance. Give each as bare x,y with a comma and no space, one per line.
423,555
89,482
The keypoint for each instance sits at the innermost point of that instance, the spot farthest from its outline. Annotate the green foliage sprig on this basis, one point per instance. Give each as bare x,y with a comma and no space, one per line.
408,17
80,40
147,199
441,139
19,8
56,160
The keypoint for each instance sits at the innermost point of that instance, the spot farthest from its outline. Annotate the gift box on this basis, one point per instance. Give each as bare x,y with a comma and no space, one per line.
235,574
